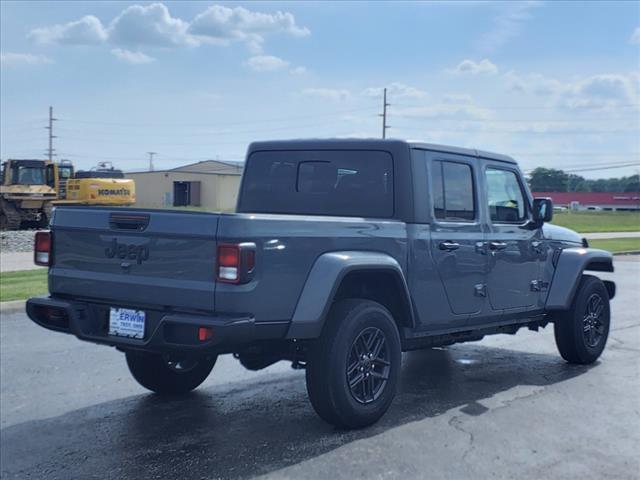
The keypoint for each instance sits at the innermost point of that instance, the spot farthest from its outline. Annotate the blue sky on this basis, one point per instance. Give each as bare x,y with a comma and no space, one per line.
553,84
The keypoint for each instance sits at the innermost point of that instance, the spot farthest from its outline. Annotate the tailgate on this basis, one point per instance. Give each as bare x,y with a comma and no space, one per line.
135,257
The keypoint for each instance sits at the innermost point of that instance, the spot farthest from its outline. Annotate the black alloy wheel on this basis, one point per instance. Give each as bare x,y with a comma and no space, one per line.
368,365
593,326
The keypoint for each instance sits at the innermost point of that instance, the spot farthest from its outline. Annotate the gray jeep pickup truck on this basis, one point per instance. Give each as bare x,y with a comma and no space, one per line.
342,255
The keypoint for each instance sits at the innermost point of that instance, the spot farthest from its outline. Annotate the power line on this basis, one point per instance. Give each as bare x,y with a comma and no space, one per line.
228,132
523,107
244,122
593,169
578,154
168,158
589,169
525,132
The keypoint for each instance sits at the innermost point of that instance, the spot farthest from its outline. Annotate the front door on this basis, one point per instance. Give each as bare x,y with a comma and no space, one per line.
513,246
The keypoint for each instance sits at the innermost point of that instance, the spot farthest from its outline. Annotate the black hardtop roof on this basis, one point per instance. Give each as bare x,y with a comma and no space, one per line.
371,144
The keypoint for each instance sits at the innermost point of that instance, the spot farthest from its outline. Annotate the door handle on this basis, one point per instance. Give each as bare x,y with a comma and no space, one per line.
449,246
497,245
537,246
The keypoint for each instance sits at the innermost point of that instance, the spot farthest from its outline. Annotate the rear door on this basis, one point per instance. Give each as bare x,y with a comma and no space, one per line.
513,246
457,232
135,257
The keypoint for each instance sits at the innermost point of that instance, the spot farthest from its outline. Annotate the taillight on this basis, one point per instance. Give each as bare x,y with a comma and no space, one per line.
42,249
236,262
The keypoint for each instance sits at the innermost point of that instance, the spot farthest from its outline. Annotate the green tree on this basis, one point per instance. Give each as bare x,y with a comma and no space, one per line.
576,183
631,184
548,180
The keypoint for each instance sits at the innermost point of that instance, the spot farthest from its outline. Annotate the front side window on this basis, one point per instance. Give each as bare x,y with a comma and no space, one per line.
453,192
506,200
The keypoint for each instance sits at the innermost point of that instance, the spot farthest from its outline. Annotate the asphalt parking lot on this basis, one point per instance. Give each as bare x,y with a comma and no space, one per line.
506,407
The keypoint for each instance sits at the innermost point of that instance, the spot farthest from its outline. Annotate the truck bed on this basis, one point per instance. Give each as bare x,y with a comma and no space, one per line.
167,259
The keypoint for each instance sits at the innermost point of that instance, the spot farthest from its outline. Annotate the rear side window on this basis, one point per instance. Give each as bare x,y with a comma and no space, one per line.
335,183
453,192
506,200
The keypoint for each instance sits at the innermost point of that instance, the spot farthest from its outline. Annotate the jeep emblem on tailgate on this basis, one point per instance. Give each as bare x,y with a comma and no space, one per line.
139,253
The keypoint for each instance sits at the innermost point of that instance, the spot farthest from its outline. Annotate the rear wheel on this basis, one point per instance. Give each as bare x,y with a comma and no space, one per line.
169,374
581,332
353,369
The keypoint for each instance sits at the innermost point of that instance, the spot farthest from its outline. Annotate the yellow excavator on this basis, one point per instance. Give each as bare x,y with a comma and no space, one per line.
29,189
102,185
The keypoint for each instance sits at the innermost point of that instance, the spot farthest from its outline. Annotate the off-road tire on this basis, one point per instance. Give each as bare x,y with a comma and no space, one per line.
580,337
330,357
154,372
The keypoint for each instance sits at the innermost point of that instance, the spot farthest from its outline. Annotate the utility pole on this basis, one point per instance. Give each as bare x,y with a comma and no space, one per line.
50,151
151,154
384,114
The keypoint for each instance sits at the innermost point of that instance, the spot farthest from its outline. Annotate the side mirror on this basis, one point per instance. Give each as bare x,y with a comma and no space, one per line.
542,210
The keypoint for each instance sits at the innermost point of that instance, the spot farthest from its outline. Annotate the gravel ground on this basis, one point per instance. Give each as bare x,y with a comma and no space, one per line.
17,241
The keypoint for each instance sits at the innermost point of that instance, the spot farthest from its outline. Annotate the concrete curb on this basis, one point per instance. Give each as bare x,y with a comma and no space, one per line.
634,252
15,306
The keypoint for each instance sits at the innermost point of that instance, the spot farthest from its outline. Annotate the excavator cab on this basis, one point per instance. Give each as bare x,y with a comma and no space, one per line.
59,174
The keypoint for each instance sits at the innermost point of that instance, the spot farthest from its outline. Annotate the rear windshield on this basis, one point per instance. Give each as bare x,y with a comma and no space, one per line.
354,183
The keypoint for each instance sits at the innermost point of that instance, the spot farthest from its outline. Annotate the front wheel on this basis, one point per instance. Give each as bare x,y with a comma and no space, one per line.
581,332
169,374
353,369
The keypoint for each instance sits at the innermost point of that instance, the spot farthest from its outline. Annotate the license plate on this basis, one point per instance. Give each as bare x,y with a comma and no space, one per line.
126,323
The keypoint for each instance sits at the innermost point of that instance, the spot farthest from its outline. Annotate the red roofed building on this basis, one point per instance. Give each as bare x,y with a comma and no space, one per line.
594,200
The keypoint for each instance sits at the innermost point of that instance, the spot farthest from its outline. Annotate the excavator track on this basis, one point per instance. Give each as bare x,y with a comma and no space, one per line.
47,211
10,218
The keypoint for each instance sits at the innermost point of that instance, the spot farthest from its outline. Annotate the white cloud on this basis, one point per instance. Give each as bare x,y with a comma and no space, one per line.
457,98
266,63
355,134
635,37
396,90
223,25
10,59
608,90
602,91
328,93
153,25
134,58
507,25
453,110
533,84
86,31
458,106
298,71
483,67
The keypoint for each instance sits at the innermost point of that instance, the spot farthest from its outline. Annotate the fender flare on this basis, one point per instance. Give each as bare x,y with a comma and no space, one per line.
323,282
570,266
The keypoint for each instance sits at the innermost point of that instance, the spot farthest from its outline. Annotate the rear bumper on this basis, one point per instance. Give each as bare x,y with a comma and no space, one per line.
164,331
